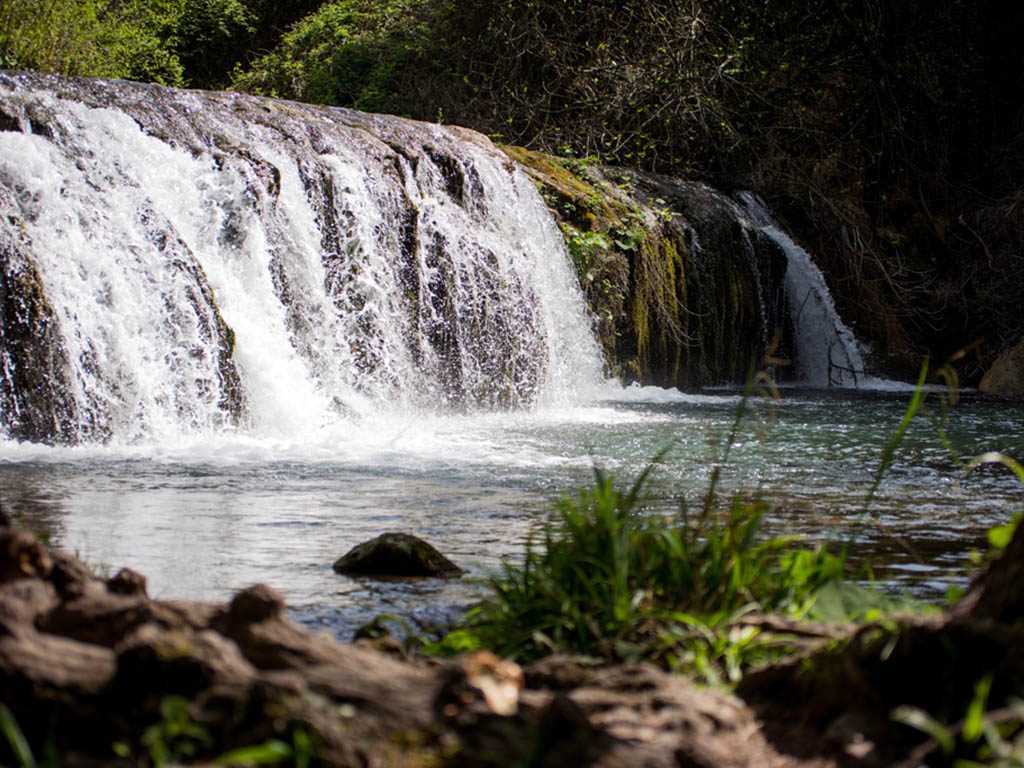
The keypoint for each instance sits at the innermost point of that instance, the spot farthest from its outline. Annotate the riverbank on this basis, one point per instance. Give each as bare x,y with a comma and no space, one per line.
95,671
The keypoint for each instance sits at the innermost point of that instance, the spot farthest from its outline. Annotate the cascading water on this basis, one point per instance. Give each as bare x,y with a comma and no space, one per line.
189,260
825,349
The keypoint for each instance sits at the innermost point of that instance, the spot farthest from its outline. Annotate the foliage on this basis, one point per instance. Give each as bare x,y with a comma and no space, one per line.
174,42
178,739
609,580
353,53
176,736
103,38
15,738
982,738
208,36
19,747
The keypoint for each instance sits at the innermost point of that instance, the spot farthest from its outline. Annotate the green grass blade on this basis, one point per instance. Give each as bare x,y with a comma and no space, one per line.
15,738
993,457
268,753
894,441
925,723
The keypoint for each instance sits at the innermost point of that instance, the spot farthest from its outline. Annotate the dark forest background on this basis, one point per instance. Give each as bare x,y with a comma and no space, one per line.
887,134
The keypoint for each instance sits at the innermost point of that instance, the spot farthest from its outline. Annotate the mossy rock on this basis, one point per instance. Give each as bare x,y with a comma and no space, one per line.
672,281
396,555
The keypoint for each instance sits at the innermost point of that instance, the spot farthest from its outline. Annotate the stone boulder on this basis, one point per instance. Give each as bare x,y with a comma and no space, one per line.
396,554
1006,376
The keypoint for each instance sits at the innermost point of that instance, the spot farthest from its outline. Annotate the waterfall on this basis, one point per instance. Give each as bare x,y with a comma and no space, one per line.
178,261
825,350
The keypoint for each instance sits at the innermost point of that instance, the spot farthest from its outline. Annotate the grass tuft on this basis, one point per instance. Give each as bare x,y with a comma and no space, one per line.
607,579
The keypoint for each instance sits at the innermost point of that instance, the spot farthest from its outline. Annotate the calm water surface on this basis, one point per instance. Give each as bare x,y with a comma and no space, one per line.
204,517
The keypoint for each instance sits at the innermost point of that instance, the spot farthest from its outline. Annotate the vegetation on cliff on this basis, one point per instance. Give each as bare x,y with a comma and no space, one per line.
674,282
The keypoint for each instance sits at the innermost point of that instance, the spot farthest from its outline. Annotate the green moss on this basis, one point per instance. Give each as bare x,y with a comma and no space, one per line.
661,317
229,338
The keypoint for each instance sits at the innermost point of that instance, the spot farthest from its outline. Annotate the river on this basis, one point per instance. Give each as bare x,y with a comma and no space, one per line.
205,517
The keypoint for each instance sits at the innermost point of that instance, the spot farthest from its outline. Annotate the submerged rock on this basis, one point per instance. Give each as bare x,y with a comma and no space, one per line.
396,554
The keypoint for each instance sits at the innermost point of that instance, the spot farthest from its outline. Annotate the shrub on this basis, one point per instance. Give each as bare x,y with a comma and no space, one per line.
353,53
98,38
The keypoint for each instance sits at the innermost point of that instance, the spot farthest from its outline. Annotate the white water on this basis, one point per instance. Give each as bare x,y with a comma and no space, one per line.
826,351
297,242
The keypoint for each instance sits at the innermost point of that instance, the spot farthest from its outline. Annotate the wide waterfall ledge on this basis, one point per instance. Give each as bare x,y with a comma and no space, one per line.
183,263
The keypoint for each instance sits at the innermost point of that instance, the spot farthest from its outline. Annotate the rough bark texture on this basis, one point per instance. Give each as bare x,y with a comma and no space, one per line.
87,663
997,594
848,688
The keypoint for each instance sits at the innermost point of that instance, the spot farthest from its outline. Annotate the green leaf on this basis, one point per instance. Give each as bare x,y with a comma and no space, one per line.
1001,535
992,457
267,753
974,721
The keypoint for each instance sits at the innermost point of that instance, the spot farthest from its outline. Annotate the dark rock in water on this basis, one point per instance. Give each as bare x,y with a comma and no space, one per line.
1006,376
127,582
396,554
257,603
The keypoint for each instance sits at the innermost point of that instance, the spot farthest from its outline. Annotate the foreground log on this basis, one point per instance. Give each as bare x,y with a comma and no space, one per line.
107,676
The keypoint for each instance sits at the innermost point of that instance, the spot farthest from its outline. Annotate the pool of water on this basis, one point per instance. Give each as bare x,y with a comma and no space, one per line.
205,516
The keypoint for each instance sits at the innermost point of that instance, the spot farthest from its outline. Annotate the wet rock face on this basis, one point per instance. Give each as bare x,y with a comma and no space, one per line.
35,400
398,555
684,293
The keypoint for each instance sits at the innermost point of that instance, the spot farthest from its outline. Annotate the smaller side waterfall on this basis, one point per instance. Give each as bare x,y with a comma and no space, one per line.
825,350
